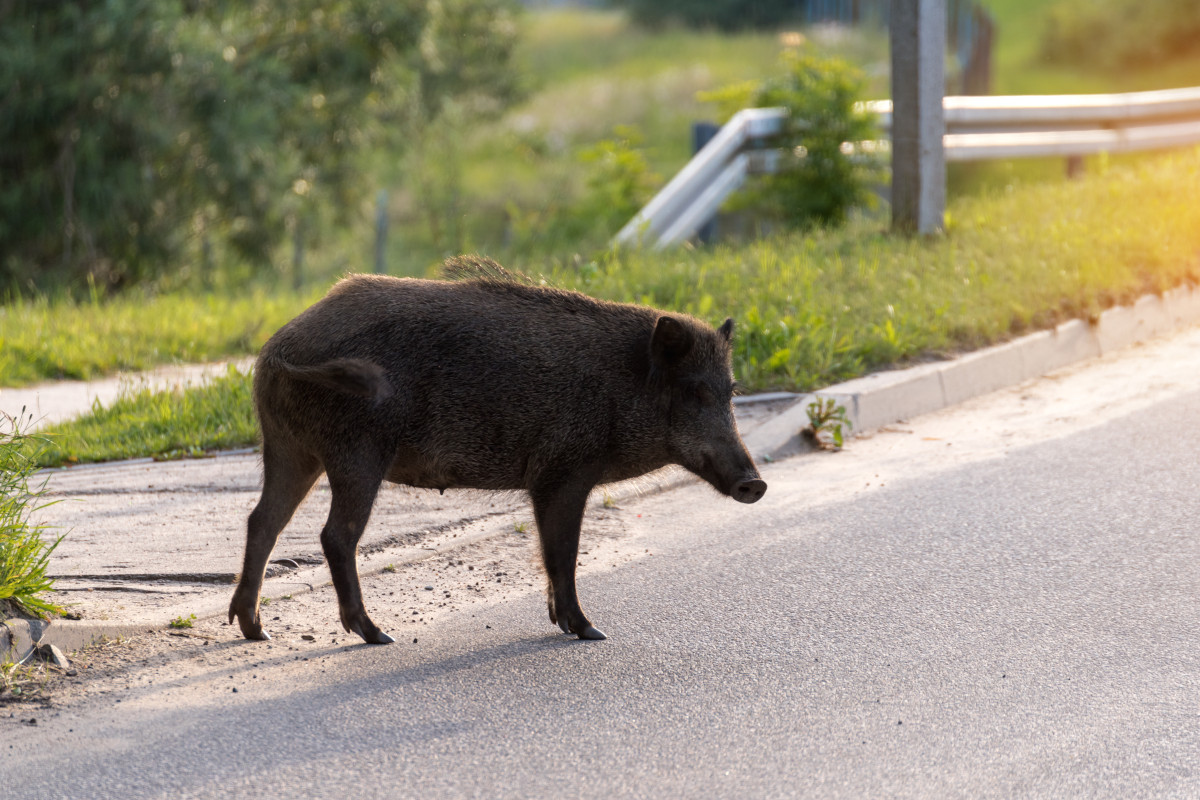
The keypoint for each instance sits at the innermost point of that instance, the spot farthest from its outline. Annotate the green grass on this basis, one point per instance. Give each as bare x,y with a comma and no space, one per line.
813,309
24,547
44,339
163,424
821,307
1018,68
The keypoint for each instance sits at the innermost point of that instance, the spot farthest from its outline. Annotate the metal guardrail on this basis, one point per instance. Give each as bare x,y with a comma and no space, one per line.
977,129
695,194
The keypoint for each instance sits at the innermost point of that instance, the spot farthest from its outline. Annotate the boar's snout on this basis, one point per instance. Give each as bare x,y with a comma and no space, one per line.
749,491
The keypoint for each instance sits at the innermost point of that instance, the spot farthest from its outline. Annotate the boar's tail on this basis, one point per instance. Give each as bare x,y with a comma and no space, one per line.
353,375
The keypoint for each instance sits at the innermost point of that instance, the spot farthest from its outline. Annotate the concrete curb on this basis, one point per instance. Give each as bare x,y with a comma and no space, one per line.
19,637
883,398
871,402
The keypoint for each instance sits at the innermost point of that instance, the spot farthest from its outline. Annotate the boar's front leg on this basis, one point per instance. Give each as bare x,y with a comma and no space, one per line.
353,491
559,513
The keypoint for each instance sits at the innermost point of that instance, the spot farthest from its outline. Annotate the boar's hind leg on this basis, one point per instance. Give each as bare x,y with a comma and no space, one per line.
353,495
286,480
559,514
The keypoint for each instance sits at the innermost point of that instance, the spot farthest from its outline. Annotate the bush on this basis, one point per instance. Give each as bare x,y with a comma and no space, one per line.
617,182
826,178
1120,34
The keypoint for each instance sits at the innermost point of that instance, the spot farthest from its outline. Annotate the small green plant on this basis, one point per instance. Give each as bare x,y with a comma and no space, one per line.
183,622
826,419
609,502
390,568
24,552
286,597
521,527
23,681
824,179
619,180
264,601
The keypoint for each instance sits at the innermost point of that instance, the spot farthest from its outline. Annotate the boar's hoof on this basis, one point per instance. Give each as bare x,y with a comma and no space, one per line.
254,632
749,491
565,627
251,628
369,633
591,633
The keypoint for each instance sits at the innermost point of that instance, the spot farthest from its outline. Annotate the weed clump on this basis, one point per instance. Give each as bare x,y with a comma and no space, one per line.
24,548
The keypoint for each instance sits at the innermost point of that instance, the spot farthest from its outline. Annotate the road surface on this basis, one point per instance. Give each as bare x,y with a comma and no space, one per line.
998,600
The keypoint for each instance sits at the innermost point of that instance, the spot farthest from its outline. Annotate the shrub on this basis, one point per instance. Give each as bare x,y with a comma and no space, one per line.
826,178
619,180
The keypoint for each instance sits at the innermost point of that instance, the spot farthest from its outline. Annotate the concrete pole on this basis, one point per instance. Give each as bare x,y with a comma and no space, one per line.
918,38
381,231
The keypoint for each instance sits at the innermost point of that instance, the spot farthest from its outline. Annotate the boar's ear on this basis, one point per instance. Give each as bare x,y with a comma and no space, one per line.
726,329
671,341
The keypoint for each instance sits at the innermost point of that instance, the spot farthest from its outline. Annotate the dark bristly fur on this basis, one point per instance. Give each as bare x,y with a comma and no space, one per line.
483,383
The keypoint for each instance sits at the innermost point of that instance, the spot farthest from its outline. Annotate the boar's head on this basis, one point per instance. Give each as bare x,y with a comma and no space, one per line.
692,365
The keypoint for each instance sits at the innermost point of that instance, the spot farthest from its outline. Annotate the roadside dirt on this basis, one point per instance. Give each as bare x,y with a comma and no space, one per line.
404,602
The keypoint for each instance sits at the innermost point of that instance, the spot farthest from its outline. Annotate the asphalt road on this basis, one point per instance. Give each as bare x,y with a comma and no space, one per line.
1014,621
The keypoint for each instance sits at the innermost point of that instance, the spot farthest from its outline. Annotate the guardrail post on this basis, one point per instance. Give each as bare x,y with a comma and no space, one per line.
381,230
702,134
918,36
298,255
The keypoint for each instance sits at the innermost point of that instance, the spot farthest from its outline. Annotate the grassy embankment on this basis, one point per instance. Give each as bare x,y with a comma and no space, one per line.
51,339
813,309
1024,249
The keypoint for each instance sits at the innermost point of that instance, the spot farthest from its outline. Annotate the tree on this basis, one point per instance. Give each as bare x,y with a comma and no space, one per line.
136,130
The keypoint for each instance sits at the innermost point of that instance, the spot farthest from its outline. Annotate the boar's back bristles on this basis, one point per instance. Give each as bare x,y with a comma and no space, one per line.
482,268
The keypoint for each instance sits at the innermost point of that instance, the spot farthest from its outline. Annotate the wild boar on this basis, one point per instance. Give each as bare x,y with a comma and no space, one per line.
485,383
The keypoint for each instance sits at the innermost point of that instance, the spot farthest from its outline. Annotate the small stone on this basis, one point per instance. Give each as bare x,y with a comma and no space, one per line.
308,637
235,690
55,656
429,588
